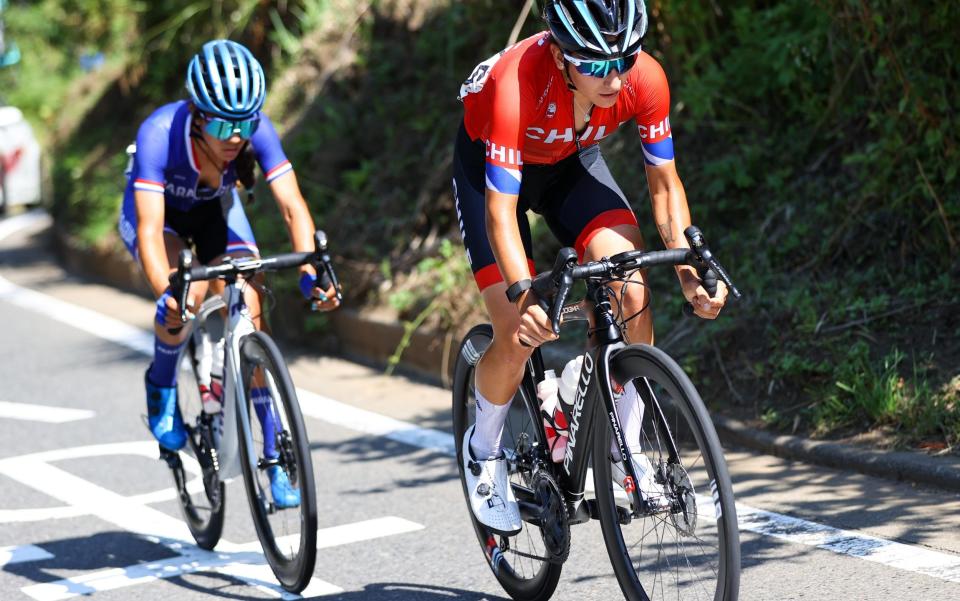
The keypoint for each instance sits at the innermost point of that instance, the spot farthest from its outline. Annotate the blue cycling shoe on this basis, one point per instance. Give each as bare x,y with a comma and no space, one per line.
284,495
163,416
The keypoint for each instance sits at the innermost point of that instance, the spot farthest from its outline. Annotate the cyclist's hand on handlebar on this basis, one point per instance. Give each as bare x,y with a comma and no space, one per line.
703,305
535,327
321,300
168,311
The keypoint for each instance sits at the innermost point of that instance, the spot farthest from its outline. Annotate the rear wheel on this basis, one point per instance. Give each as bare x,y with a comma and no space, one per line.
202,499
288,535
689,547
526,564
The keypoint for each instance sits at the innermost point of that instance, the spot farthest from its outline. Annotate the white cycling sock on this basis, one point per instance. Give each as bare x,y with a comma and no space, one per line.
485,441
630,410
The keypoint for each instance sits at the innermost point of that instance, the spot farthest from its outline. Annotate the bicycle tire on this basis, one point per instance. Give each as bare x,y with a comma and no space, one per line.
203,510
294,569
524,582
709,567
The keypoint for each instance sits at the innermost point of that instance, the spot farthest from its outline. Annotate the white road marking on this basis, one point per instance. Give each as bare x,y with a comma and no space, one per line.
42,413
248,567
341,414
916,559
9,555
80,318
846,542
35,471
346,534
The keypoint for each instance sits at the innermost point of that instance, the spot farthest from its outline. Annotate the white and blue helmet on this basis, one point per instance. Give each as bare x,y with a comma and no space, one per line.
597,29
225,80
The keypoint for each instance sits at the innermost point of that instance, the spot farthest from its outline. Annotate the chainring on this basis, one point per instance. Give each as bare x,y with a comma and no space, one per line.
554,521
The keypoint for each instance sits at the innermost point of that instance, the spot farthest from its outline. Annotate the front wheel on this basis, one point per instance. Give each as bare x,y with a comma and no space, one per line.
277,448
524,564
681,541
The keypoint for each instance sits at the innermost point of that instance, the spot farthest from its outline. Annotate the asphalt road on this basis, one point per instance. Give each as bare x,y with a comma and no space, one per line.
86,508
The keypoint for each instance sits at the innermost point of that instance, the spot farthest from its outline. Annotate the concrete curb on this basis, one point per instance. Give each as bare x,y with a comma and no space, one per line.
941,472
373,340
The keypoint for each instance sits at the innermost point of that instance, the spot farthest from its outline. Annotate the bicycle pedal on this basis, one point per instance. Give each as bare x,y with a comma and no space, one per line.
624,516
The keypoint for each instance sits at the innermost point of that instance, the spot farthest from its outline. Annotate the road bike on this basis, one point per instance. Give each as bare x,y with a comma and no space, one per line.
222,445
684,545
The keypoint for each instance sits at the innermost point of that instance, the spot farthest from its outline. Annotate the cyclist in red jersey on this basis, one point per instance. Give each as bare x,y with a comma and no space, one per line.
534,115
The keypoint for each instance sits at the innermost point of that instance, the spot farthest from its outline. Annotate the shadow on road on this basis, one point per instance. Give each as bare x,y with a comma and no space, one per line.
398,591
100,551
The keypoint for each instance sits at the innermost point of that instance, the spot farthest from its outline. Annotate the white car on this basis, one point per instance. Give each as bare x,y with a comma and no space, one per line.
20,176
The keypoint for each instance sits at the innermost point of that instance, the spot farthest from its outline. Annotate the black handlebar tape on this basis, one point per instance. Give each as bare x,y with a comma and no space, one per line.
710,282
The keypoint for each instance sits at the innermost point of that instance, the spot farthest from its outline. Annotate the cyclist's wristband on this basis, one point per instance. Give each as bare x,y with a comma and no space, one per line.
161,317
308,282
517,288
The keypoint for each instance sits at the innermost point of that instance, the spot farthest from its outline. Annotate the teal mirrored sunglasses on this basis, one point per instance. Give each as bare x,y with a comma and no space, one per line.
602,68
223,129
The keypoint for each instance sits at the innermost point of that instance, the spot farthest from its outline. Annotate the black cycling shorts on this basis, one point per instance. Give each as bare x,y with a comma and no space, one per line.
577,197
215,227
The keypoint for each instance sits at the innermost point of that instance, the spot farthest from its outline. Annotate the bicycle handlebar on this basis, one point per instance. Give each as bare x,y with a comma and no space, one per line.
187,272
552,287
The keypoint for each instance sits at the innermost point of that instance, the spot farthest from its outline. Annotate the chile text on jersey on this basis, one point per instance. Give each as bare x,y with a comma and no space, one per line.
518,103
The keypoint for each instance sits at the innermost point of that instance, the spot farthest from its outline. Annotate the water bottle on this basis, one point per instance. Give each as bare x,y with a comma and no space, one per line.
212,397
554,422
570,380
204,356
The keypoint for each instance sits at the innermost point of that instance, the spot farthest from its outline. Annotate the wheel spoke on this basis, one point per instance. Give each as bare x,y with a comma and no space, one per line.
679,553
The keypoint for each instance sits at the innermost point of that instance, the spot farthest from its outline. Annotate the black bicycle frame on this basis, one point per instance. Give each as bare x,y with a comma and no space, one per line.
593,392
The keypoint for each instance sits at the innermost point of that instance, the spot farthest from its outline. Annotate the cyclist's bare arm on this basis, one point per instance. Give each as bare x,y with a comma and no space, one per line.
672,215
300,226
507,245
150,245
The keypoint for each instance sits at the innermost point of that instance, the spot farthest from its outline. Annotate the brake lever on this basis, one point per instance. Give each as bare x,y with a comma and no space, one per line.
703,255
566,283
183,280
325,273
718,270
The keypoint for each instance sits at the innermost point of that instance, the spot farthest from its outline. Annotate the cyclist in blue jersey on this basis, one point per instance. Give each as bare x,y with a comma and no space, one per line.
181,189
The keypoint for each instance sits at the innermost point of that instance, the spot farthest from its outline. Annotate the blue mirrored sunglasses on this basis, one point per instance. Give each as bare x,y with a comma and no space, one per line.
602,68
223,129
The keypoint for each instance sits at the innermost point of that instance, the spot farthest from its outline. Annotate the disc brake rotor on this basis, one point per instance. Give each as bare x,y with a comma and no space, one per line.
685,520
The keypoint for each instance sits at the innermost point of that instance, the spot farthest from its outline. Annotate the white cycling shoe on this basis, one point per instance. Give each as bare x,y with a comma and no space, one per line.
655,494
490,496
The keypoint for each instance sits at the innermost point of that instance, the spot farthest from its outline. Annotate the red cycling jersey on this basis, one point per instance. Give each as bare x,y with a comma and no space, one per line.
518,103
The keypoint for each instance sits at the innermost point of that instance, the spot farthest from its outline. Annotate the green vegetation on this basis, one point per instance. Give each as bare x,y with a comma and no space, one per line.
817,143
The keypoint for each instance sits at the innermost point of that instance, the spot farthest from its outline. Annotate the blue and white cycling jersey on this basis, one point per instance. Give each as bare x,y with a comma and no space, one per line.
165,162
165,158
